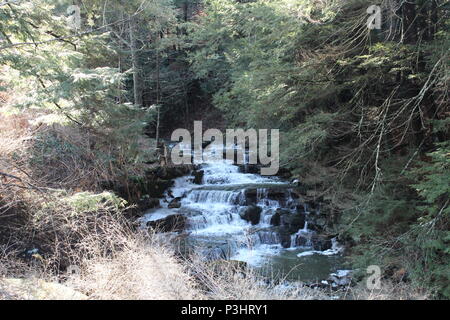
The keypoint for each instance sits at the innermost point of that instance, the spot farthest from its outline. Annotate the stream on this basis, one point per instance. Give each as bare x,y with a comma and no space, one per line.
231,214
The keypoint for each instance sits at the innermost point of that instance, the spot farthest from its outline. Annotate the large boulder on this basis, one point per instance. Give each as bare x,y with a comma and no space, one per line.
251,214
171,223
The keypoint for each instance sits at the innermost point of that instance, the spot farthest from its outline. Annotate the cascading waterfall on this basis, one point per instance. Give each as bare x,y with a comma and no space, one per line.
215,208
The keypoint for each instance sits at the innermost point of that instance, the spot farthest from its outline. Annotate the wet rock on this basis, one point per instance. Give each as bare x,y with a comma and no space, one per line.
292,221
297,221
198,176
321,242
217,180
302,241
277,194
282,211
275,219
295,196
251,196
285,237
289,223
175,222
341,278
251,214
215,254
175,203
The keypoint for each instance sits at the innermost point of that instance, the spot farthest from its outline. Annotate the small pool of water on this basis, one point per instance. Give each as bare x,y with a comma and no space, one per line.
286,265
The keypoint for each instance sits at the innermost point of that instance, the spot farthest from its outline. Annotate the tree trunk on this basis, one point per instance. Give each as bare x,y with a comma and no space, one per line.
433,19
409,22
157,97
137,80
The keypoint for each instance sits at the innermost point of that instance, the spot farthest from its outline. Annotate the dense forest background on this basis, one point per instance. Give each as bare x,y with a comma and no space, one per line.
363,113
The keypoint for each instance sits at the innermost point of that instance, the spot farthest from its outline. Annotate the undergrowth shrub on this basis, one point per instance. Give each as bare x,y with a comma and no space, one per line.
404,224
428,241
61,226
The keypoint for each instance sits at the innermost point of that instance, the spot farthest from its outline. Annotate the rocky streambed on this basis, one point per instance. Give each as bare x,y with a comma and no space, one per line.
224,211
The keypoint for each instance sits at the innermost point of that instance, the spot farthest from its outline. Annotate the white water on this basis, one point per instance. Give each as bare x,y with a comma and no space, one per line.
213,211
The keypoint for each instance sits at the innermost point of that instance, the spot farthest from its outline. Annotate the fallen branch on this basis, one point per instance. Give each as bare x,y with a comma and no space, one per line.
30,186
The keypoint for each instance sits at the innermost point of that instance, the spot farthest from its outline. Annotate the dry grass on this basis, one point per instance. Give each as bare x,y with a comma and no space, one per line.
61,156
67,157
231,280
15,134
140,270
389,291
145,269
14,131
36,289
64,227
